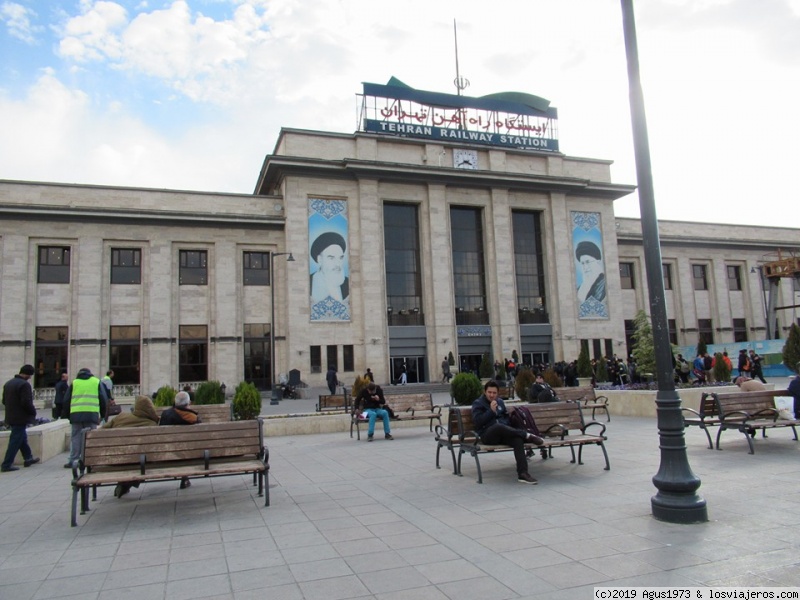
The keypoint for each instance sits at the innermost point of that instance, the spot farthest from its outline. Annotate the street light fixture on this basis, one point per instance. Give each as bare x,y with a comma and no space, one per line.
274,397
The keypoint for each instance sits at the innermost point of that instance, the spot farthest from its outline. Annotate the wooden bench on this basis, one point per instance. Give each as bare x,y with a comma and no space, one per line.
748,412
330,403
406,407
169,453
560,423
587,397
706,416
208,413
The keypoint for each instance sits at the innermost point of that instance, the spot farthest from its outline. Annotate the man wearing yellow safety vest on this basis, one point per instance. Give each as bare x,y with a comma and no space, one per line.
85,403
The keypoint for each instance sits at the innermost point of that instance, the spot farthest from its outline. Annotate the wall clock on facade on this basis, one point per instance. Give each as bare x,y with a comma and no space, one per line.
465,159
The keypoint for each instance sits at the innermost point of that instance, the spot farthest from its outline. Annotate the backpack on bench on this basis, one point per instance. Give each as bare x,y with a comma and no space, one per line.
522,418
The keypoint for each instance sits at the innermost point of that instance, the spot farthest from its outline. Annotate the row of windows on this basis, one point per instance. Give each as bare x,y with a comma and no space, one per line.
705,331
126,266
699,276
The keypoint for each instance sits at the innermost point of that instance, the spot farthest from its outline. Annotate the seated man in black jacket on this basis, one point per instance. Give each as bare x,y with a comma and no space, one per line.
490,417
371,401
541,391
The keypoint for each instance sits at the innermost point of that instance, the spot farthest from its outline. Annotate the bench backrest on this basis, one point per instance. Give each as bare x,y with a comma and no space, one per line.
552,418
708,405
168,443
402,402
208,413
574,394
749,402
336,402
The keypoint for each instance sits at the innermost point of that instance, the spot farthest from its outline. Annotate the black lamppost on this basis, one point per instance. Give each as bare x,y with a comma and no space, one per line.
274,397
677,500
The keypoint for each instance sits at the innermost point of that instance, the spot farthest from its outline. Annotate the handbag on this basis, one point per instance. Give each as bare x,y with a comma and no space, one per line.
113,408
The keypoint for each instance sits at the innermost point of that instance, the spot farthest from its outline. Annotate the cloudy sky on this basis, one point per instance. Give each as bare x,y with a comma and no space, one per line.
191,94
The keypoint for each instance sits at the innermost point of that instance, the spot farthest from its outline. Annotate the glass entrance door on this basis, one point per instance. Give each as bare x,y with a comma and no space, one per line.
414,369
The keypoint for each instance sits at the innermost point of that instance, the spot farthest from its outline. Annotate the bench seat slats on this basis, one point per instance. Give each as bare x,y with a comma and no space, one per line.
748,412
169,471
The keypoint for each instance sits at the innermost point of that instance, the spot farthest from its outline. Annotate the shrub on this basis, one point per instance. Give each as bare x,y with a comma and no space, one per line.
359,384
584,363
209,392
523,383
165,396
465,388
602,370
701,347
451,359
552,379
643,352
246,402
721,370
791,350
486,368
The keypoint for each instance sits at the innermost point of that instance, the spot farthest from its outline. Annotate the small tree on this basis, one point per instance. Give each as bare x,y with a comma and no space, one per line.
486,368
791,349
523,383
165,396
246,402
602,369
209,392
465,388
643,352
701,346
359,384
721,370
584,362
451,360
552,379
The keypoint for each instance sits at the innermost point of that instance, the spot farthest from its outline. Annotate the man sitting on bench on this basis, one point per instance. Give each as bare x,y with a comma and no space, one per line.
490,417
371,400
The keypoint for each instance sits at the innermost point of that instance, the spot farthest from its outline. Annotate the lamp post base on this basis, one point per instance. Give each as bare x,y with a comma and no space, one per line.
273,400
680,509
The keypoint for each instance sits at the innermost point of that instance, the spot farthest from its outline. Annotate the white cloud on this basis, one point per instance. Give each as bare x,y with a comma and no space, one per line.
18,21
91,36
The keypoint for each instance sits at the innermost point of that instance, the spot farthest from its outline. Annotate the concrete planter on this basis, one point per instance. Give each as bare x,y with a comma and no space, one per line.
642,403
46,441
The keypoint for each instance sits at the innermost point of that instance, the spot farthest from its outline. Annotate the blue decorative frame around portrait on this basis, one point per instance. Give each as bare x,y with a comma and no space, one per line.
587,227
328,215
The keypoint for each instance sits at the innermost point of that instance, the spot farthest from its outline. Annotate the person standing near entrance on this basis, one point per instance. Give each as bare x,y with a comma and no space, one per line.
332,379
86,400
62,385
403,374
20,412
446,375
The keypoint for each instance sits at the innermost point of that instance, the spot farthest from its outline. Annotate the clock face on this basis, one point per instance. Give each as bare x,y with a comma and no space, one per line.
465,159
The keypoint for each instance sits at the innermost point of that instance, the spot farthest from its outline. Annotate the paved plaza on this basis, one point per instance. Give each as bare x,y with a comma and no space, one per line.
350,519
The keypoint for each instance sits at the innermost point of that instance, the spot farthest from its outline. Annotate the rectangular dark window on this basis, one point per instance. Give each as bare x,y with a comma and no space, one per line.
529,267
348,363
739,330
734,277
469,280
666,272
193,267
126,266
609,344
256,268
673,332
705,331
54,264
316,359
193,353
626,276
597,349
403,272
699,279
124,350
50,355
332,354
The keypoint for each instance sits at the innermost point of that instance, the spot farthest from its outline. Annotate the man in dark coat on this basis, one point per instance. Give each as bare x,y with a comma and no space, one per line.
20,412
62,385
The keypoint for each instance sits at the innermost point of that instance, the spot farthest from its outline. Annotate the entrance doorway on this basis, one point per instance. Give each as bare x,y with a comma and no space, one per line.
414,366
470,363
257,365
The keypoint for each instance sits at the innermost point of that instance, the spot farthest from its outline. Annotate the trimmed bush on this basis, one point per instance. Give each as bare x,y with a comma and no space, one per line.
359,384
486,369
246,402
165,396
209,392
523,383
721,370
552,379
465,388
791,350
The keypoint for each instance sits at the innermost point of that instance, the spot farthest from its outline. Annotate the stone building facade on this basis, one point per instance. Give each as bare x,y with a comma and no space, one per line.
168,287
